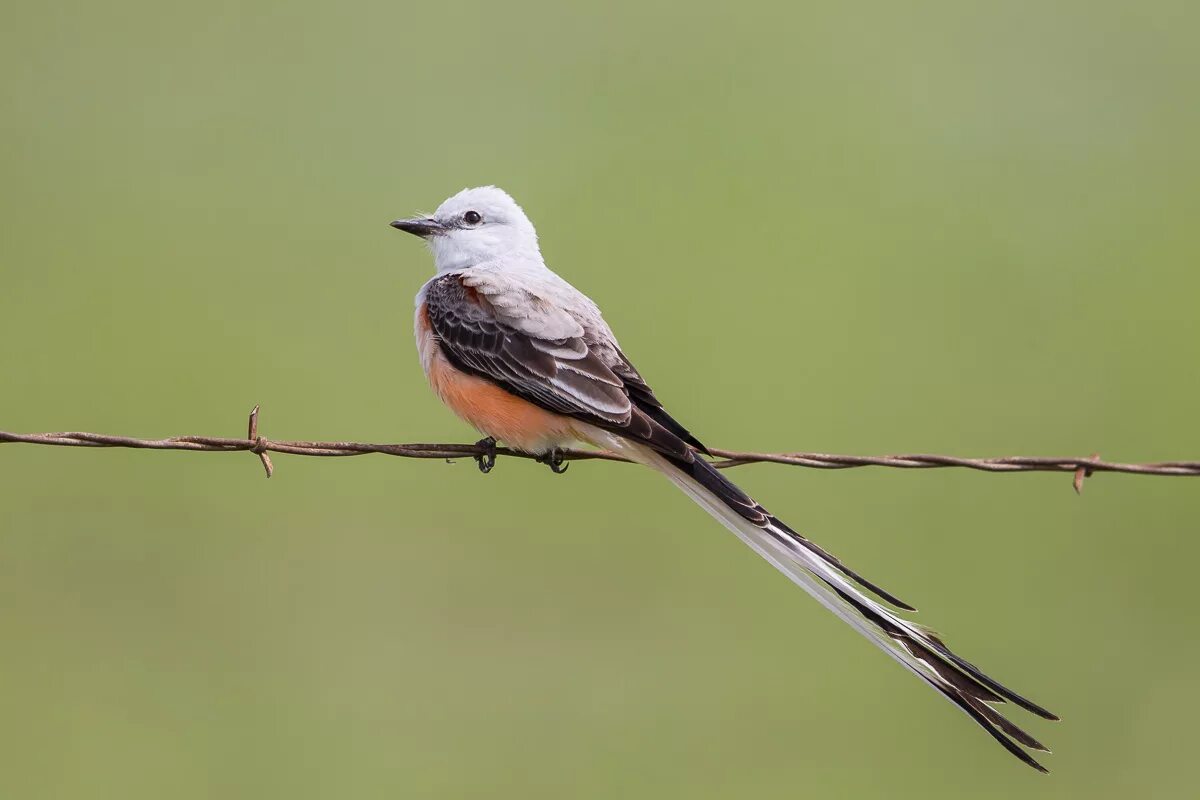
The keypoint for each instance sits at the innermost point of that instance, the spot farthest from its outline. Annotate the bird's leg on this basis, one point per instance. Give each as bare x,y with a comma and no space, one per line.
486,460
554,460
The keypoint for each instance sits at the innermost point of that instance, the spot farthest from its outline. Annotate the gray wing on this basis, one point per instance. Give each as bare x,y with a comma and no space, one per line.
578,375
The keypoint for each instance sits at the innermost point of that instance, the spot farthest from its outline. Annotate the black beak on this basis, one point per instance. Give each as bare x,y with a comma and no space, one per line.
420,226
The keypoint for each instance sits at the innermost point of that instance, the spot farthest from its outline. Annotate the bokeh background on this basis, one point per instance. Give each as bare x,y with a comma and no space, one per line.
851,227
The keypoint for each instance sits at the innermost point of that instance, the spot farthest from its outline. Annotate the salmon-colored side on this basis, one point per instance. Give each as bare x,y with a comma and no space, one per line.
490,409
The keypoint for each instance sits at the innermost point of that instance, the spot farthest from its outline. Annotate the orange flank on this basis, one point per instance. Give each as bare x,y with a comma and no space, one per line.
485,406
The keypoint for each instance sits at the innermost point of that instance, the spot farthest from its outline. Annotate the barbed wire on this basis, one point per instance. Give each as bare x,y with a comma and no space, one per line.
262,447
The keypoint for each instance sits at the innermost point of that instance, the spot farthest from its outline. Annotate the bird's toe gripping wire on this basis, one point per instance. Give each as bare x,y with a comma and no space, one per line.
555,460
487,459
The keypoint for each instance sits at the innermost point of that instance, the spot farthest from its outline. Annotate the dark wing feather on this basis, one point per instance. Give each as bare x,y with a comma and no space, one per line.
642,396
569,376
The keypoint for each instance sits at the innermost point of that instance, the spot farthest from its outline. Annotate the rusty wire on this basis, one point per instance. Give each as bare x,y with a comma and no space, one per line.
254,443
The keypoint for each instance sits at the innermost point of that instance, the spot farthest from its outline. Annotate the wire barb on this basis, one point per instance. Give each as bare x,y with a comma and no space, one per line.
260,444
1083,472
725,459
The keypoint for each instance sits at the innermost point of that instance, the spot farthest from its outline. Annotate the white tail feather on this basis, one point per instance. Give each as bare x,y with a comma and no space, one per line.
955,679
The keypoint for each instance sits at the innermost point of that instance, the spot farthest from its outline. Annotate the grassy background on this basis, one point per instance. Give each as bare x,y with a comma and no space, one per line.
873,227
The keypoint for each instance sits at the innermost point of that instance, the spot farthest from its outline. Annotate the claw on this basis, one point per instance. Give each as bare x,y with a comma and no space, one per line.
486,460
555,461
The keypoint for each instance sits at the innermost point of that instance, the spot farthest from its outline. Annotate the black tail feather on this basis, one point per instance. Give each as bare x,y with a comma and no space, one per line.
921,650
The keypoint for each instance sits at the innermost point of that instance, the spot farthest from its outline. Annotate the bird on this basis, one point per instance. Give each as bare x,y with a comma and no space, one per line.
527,359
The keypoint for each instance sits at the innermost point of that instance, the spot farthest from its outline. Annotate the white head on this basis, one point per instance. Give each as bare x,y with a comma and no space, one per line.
474,226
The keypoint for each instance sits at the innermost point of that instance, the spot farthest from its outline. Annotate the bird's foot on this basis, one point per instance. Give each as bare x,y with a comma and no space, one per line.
555,460
486,460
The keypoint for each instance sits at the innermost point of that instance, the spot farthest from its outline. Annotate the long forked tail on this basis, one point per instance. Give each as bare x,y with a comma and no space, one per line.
841,590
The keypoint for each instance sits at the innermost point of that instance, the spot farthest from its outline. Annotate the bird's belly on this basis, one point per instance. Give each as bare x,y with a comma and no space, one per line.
485,406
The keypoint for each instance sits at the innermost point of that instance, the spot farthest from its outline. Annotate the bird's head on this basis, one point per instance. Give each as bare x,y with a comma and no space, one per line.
474,226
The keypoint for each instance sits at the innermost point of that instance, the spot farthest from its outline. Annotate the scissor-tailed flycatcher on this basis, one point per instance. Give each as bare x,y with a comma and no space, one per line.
526,358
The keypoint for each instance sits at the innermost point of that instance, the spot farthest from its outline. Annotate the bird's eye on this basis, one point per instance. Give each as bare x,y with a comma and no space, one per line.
472,218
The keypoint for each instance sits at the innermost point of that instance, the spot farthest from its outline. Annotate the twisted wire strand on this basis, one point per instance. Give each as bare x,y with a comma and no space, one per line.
1081,466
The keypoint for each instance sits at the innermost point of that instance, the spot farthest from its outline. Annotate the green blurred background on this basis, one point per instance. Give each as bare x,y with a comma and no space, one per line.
871,227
